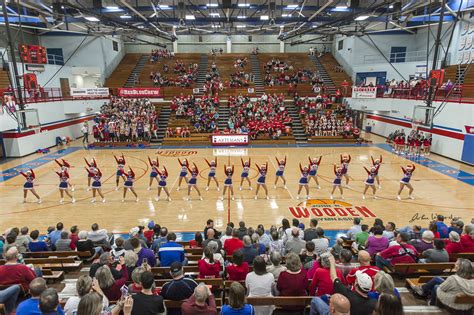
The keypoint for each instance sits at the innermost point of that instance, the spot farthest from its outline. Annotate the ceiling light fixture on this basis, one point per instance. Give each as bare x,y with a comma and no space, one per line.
214,14
362,18
113,8
91,18
291,7
241,17
241,26
286,15
164,6
341,7
264,18
212,5
243,5
190,17
126,16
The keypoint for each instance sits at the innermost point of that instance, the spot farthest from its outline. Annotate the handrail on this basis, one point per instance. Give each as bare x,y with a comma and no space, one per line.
42,95
398,57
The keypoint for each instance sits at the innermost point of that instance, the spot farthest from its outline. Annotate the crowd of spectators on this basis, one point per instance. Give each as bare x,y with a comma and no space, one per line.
157,54
278,262
185,75
265,117
125,120
203,113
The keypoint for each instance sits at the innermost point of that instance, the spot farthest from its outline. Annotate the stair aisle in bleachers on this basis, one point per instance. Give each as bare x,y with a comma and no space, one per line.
259,85
328,83
224,113
135,74
202,71
298,129
162,124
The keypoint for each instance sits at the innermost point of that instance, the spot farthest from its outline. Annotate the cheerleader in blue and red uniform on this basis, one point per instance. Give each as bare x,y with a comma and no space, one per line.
162,183
64,185
183,173
337,181
229,172
154,164
313,169
65,166
120,170
345,160
304,181
129,179
377,163
194,171
407,174
91,166
29,185
245,173
280,172
212,174
262,175
96,176
370,181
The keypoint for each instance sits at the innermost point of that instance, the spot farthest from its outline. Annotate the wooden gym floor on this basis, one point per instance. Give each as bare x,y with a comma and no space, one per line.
441,186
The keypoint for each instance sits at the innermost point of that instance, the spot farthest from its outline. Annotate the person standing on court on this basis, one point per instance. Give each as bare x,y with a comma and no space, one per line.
85,133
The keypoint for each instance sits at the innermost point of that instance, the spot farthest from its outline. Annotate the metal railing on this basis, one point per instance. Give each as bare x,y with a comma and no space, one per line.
44,95
409,56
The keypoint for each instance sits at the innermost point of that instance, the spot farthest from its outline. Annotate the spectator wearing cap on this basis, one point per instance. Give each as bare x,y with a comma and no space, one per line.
365,267
36,245
31,305
234,243
144,254
321,282
359,299
171,251
310,233
338,304
456,225
425,243
150,232
134,233
13,272
453,245
356,228
180,288
400,253
295,244
442,227
202,302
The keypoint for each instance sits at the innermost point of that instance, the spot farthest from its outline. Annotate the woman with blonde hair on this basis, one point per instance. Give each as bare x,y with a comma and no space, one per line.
383,283
108,284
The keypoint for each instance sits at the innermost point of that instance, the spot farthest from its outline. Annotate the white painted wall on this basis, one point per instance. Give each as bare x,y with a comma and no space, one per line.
450,117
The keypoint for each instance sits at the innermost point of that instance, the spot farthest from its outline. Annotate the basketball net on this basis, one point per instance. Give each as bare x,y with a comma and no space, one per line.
415,124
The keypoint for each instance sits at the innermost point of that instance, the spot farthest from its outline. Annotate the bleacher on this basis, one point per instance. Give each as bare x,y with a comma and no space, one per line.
329,63
298,61
120,75
4,80
194,139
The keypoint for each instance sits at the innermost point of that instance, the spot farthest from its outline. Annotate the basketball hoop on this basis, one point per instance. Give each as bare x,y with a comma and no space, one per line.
36,129
415,124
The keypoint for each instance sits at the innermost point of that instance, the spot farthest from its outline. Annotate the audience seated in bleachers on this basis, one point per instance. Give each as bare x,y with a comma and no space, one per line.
203,113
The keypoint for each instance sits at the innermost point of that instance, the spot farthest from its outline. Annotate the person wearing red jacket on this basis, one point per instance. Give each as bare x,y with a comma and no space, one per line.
208,267
29,185
129,178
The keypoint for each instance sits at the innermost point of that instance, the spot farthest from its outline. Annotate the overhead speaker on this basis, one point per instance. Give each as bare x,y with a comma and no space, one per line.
97,4
227,4
250,38
352,4
272,6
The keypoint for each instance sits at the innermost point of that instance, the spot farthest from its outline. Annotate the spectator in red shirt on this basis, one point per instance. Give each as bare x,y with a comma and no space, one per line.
293,281
201,302
467,239
321,283
453,245
238,269
150,232
15,273
397,254
74,237
197,241
365,267
208,267
234,243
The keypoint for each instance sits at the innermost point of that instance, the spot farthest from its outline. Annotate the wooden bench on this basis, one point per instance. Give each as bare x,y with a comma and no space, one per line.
59,263
194,251
165,271
56,254
52,275
280,301
469,256
411,282
177,304
423,268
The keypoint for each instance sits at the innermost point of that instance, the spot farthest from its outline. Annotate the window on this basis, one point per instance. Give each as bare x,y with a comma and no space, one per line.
340,45
398,54
115,45
55,56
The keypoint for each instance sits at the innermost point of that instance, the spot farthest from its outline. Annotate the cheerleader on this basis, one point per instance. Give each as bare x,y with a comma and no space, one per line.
401,149
377,163
128,179
245,173
262,174
418,142
369,182
162,184
304,181
183,173
29,185
313,170
229,172
212,174
65,166
345,160
280,171
407,173
193,181
91,166
120,170
337,181
96,176
64,185
154,164
427,145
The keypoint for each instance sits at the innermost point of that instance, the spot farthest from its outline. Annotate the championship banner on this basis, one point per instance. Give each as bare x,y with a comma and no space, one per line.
364,92
221,140
139,92
89,92
469,129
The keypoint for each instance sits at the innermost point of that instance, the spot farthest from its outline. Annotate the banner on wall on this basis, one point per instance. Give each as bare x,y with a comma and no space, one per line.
139,92
240,139
469,129
364,92
89,92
